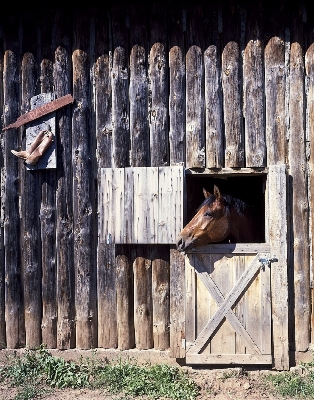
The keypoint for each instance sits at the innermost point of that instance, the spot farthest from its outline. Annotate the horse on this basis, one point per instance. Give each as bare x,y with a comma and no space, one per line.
220,218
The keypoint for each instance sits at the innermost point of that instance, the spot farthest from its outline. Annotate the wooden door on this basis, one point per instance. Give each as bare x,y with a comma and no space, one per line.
236,308
228,305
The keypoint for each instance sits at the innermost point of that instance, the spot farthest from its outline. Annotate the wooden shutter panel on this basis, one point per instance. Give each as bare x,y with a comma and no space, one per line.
141,205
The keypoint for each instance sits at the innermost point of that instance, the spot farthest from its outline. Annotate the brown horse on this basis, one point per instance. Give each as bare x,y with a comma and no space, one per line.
220,218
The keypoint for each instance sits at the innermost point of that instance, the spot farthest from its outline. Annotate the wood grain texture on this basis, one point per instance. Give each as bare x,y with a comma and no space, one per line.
299,200
31,254
275,86
83,205
177,310
279,280
195,135
176,106
14,303
234,151
64,204
158,105
213,106
138,96
253,107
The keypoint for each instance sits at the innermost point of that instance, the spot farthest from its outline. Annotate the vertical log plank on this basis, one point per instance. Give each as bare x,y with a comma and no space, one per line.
143,302
275,86
139,108
300,221
14,307
160,293
253,107
195,135
277,192
309,67
103,111
177,309
64,205
213,107
31,249
83,205
120,109
125,308
176,107
234,152
2,266
158,109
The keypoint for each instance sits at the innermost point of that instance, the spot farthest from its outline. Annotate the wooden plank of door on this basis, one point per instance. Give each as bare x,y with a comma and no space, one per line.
230,315
226,305
229,359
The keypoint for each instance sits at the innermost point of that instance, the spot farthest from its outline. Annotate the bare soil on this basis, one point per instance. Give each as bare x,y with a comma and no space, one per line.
235,383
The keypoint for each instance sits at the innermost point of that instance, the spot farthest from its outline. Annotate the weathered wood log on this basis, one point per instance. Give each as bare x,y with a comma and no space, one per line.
234,151
253,107
83,205
143,302
161,297
138,95
125,306
177,106
195,135
64,205
177,310
213,107
31,254
48,242
309,67
275,87
14,307
2,265
158,109
298,187
120,109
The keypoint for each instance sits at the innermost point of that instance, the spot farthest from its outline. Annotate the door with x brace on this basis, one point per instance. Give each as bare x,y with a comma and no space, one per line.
228,305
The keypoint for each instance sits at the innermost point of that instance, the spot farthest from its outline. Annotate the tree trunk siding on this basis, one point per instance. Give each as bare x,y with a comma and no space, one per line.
213,106
195,135
177,299
103,108
64,205
234,152
107,296
309,66
275,87
176,106
120,109
300,225
158,109
14,301
83,205
31,249
138,96
161,297
125,301
143,302
253,108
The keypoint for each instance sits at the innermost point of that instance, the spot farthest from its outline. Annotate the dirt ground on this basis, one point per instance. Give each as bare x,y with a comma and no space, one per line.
215,383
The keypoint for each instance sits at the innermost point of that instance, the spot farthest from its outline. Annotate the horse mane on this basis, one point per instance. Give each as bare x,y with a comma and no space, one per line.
231,202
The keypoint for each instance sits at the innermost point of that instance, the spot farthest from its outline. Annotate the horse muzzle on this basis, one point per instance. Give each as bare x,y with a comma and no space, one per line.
184,245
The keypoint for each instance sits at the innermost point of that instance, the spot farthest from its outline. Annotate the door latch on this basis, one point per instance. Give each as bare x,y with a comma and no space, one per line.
266,261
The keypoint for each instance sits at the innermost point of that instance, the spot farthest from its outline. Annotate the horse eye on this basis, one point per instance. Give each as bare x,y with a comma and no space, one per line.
208,214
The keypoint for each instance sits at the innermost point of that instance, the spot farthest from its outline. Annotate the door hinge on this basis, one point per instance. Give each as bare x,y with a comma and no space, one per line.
266,261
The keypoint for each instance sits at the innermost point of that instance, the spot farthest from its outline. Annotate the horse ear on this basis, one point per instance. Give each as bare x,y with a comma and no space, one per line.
217,192
206,194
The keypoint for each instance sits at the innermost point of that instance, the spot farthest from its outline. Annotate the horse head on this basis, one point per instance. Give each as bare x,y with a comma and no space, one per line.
209,225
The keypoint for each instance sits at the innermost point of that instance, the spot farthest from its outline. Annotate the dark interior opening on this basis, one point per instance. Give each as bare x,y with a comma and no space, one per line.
250,189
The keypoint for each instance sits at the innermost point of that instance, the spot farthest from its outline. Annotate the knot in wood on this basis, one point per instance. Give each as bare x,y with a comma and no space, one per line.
227,71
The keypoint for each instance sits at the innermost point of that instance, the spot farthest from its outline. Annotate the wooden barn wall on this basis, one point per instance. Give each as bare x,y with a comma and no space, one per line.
202,84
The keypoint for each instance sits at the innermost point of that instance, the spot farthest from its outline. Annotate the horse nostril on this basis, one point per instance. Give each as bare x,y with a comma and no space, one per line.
179,243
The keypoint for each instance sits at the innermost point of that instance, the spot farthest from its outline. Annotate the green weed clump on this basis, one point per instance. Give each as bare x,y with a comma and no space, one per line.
295,384
37,372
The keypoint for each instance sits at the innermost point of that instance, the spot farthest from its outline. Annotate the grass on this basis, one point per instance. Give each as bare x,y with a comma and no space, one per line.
37,372
298,384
